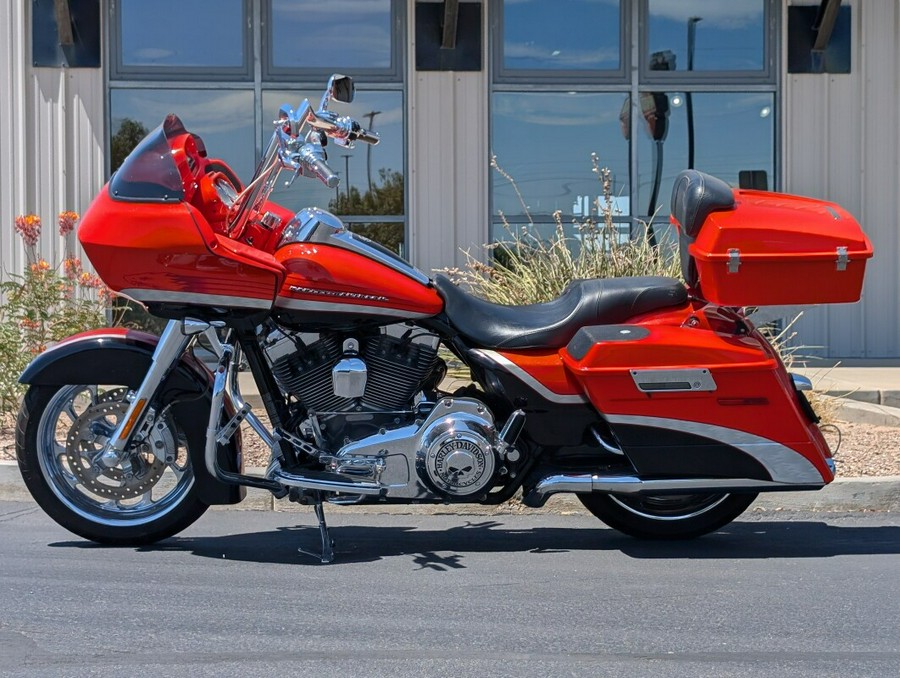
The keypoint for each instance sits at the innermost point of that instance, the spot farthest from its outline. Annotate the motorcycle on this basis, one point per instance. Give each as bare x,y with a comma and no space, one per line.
656,401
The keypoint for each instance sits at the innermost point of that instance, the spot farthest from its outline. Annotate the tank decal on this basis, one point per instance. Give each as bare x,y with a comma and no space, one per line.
349,307
783,464
162,296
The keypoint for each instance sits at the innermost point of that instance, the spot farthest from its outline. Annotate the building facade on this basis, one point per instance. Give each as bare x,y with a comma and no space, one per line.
492,114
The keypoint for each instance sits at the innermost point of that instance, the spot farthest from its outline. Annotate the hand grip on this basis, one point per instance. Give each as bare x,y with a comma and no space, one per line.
368,137
323,171
313,160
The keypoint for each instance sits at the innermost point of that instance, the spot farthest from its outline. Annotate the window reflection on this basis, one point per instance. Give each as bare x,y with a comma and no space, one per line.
335,34
572,35
707,35
390,235
176,33
223,119
542,144
372,179
732,131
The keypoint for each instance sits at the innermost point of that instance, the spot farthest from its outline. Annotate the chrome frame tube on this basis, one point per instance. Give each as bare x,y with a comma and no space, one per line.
233,391
228,365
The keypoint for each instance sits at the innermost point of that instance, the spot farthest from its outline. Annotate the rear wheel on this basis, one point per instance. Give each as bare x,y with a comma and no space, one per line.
146,494
667,516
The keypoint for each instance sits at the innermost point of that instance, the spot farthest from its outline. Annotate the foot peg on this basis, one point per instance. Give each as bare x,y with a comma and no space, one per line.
327,554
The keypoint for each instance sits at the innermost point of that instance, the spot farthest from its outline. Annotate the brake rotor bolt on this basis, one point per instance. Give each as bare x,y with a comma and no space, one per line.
159,444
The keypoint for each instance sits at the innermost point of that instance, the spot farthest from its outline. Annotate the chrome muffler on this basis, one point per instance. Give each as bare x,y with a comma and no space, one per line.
582,483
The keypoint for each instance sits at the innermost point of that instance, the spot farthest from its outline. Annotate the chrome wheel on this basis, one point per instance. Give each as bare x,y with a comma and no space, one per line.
666,516
146,482
670,506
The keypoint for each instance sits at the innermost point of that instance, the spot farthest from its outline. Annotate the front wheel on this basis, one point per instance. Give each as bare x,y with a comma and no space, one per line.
145,495
666,516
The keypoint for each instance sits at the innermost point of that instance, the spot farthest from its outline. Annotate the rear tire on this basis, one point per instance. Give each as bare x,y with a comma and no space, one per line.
149,495
663,516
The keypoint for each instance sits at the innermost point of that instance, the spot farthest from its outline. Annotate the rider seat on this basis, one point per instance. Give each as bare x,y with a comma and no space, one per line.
552,324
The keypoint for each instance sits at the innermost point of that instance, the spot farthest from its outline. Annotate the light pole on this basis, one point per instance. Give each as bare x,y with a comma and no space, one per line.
688,102
371,116
346,157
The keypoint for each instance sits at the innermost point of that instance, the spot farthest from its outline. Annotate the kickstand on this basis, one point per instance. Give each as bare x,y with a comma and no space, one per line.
327,554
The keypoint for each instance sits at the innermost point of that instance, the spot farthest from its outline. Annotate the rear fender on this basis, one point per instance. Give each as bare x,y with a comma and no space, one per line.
120,356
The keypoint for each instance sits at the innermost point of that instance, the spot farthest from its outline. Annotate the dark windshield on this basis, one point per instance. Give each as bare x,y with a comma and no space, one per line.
149,173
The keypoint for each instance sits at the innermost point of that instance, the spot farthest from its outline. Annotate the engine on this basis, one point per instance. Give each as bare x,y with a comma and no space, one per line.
354,385
358,397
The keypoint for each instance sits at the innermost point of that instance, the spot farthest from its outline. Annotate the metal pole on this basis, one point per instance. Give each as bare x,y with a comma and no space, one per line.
371,116
346,157
688,101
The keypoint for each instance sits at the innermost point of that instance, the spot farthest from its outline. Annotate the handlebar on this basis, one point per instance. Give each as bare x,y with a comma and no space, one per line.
343,129
367,137
298,145
310,160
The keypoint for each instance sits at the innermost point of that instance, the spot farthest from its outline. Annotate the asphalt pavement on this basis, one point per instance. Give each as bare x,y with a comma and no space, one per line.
793,594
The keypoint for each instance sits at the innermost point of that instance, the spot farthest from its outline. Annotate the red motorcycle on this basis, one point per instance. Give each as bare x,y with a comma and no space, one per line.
657,402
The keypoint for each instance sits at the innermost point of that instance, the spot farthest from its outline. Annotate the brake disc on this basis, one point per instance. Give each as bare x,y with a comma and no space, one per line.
139,469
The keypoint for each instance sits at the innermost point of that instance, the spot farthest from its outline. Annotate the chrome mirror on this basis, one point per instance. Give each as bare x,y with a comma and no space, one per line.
341,88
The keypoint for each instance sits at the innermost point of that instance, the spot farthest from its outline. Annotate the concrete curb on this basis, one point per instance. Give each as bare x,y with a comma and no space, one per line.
859,412
844,494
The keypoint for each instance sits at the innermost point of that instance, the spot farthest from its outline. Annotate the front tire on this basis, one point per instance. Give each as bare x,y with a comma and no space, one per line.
150,494
682,516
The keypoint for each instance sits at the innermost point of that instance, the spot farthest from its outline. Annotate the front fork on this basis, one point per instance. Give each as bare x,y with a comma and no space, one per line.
135,423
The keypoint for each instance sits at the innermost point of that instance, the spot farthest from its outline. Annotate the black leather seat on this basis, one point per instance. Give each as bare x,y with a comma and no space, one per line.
553,323
694,196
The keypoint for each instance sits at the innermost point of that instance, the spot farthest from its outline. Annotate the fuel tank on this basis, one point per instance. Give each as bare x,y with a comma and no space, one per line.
334,276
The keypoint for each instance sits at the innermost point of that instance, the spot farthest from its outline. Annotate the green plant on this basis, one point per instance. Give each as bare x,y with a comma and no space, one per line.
44,304
526,268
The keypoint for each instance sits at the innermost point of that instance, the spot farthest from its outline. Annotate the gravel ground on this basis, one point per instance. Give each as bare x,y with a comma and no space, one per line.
865,450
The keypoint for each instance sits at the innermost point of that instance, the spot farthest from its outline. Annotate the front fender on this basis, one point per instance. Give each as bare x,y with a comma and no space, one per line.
121,356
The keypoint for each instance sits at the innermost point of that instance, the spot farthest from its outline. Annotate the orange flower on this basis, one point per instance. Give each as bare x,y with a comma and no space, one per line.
66,222
40,266
72,267
105,294
29,227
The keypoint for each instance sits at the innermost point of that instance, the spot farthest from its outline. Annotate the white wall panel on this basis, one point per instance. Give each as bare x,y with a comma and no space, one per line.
841,143
13,159
448,163
51,140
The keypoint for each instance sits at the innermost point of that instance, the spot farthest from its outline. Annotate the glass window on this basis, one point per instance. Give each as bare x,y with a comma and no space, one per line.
222,118
542,146
542,139
732,131
561,35
190,35
339,34
706,35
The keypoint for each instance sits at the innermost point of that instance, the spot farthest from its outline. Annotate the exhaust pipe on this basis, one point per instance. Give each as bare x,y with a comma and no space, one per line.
622,484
